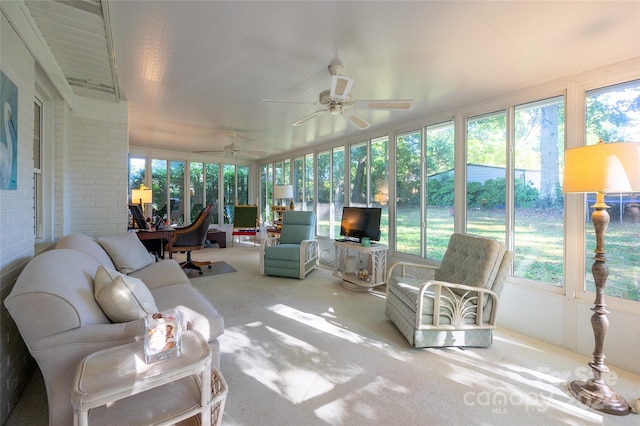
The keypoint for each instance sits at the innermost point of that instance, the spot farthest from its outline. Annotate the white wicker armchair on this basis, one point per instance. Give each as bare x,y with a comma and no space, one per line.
438,306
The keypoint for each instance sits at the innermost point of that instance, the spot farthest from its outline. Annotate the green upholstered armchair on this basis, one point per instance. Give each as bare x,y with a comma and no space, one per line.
439,306
296,252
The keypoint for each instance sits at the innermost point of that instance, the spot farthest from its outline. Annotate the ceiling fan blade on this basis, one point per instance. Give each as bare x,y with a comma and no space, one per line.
356,120
284,101
340,87
397,104
215,151
309,117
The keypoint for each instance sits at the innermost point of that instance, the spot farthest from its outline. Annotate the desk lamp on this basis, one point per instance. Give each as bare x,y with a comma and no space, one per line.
283,192
601,168
144,194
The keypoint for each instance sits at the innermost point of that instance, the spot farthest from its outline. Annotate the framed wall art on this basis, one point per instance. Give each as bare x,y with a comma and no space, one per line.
8,133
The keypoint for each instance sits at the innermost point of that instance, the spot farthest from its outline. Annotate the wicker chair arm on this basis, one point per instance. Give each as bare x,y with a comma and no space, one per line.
470,297
410,269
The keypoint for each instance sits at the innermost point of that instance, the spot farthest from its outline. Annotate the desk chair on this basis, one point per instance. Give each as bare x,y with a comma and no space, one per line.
192,237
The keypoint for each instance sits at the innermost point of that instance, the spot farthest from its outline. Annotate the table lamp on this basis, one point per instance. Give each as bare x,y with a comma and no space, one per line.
601,168
144,194
283,192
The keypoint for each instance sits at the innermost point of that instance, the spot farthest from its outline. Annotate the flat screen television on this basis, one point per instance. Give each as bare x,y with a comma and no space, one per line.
358,222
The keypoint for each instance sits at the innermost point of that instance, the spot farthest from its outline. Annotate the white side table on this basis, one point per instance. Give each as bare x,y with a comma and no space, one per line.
374,256
116,386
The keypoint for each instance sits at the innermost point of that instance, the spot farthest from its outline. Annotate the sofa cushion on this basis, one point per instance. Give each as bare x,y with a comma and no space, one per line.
163,273
86,244
127,252
121,297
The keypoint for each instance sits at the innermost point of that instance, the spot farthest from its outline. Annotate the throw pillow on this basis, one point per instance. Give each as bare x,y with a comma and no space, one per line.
127,252
121,297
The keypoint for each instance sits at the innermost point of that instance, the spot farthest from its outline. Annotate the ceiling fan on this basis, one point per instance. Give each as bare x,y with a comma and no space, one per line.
232,149
338,101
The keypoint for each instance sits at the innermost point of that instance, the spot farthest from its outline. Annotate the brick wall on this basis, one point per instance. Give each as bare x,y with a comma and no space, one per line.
16,220
99,165
90,172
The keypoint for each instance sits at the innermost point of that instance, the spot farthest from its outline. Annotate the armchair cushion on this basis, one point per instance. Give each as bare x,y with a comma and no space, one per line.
297,226
121,297
289,252
470,260
127,252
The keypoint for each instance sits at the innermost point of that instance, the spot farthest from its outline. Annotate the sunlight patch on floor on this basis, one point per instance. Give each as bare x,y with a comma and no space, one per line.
352,406
321,324
508,385
293,368
512,342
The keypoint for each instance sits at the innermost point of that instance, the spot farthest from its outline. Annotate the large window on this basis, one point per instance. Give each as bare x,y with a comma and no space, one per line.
229,190
439,159
538,202
358,172
196,190
486,175
266,191
242,185
613,115
323,182
298,183
408,190
176,192
38,187
212,188
338,188
369,184
167,185
309,173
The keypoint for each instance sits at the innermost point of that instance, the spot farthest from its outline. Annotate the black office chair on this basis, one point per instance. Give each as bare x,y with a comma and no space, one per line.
192,237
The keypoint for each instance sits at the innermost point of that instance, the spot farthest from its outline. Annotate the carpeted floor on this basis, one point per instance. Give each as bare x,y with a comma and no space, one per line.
217,268
309,352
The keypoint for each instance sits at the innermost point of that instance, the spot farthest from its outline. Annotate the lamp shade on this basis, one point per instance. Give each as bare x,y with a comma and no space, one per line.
603,167
283,191
144,194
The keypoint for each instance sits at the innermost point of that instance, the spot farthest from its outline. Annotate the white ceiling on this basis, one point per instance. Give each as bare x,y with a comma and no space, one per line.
191,70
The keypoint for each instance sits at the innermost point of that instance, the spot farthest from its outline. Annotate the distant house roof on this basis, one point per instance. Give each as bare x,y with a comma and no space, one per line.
482,173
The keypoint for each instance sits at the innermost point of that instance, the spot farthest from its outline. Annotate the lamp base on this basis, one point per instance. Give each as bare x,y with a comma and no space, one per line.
599,396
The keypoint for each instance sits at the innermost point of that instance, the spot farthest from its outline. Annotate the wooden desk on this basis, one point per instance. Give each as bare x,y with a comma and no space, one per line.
217,236
159,234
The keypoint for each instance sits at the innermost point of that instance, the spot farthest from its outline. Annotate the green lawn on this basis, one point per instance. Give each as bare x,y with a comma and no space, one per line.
539,244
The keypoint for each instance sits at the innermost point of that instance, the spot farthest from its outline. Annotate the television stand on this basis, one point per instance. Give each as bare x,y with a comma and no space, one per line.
372,258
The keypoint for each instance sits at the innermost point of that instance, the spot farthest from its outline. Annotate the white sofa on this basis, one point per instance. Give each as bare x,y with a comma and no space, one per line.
56,312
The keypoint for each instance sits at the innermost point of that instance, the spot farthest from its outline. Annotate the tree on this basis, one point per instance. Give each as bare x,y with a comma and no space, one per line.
549,170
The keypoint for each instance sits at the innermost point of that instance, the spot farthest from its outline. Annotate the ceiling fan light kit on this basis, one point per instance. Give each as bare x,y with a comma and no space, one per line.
231,149
338,100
